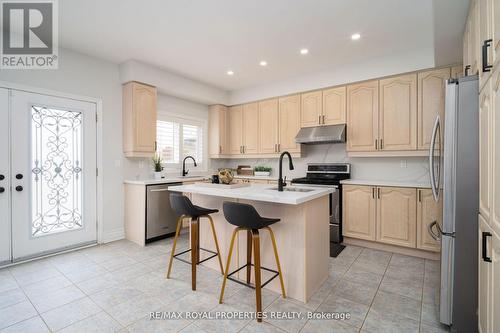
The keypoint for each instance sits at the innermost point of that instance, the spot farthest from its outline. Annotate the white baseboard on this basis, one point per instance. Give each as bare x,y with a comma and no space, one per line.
112,235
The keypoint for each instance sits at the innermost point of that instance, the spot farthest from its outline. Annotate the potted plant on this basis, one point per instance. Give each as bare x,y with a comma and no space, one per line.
157,165
261,170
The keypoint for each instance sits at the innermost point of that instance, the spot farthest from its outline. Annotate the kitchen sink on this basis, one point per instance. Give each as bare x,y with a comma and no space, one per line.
293,189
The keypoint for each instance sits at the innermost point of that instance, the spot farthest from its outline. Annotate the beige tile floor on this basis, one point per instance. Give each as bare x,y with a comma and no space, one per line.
114,287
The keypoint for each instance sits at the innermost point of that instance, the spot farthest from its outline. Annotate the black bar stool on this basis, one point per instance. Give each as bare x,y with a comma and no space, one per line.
185,208
245,217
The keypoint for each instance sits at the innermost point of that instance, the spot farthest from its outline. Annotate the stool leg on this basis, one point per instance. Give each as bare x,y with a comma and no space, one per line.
228,263
249,255
275,248
216,243
172,253
256,259
195,247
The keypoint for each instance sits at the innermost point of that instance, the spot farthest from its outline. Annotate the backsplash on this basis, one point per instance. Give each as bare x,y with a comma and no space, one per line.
366,168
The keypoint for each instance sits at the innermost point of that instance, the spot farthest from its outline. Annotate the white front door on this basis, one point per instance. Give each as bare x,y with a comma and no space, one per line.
4,178
52,173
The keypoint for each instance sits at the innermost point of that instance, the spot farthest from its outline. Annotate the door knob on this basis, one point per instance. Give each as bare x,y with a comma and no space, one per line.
2,177
2,190
19,176
19,188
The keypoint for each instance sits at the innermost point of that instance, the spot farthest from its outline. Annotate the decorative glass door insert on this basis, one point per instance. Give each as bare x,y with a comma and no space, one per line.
56,155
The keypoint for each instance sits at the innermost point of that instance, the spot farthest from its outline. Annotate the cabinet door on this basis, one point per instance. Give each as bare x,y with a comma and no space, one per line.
359,212
431,96
398,113
289,123
362,116
495,152
456,72
250,128
311,109
268,126
428,211
485,142
217,130
466,46
484,280
495,283
334,106
143,118
485,9
235,138
474,47
396,216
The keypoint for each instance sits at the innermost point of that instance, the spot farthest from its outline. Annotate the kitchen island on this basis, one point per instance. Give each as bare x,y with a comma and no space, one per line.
302,235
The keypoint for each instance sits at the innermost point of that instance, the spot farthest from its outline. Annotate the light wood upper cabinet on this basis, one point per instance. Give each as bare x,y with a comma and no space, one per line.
396,218
268,126
217,117
485,13
457,71
250,126
428,211
359,212
485,145
474,45
398,113
362,116
495,152
311,110
289,123
431,99
139,120
334,106
235,137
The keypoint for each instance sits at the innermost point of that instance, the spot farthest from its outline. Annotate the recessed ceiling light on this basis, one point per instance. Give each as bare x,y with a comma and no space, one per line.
263,63
230,73
355,36
304,51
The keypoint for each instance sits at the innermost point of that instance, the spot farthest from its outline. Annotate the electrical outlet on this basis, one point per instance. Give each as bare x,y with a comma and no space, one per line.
403,164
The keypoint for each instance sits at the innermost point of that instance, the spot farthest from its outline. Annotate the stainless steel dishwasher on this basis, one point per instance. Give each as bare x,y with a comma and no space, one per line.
160,218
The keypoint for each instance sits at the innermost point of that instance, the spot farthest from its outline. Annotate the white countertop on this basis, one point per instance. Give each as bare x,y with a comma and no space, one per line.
165,180
257,192
256,177
386,183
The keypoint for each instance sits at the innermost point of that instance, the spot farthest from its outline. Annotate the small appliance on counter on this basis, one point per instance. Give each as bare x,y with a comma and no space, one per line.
329,175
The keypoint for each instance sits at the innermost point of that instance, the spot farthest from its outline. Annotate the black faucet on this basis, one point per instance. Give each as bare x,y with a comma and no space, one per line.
184,171
281,182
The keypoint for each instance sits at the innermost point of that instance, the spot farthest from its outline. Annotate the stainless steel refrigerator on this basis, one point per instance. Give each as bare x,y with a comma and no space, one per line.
457,161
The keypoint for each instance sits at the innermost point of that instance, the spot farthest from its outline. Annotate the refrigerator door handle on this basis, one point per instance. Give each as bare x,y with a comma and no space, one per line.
434,183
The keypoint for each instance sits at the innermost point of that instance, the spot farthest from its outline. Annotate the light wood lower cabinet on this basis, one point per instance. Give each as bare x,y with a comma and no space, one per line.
485,283
428,211
396,218
359,212
391,215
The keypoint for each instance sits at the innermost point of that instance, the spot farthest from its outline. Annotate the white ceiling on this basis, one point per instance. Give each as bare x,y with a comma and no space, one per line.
202,39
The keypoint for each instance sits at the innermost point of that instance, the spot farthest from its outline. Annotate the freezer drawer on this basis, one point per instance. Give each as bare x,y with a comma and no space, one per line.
160,218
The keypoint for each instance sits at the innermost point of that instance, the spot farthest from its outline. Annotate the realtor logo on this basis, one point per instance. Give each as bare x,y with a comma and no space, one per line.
29,34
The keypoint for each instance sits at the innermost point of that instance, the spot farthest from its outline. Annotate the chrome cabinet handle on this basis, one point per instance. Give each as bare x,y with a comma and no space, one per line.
434,184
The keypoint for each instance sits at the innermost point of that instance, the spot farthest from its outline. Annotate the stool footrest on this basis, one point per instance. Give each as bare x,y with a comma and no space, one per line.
214,254
276,273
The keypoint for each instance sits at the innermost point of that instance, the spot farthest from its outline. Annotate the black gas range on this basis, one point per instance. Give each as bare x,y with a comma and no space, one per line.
329,175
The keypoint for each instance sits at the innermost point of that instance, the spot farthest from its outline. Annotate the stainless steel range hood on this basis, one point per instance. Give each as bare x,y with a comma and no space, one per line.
321,134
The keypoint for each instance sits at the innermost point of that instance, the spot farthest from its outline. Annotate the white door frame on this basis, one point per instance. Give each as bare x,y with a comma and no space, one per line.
98,102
